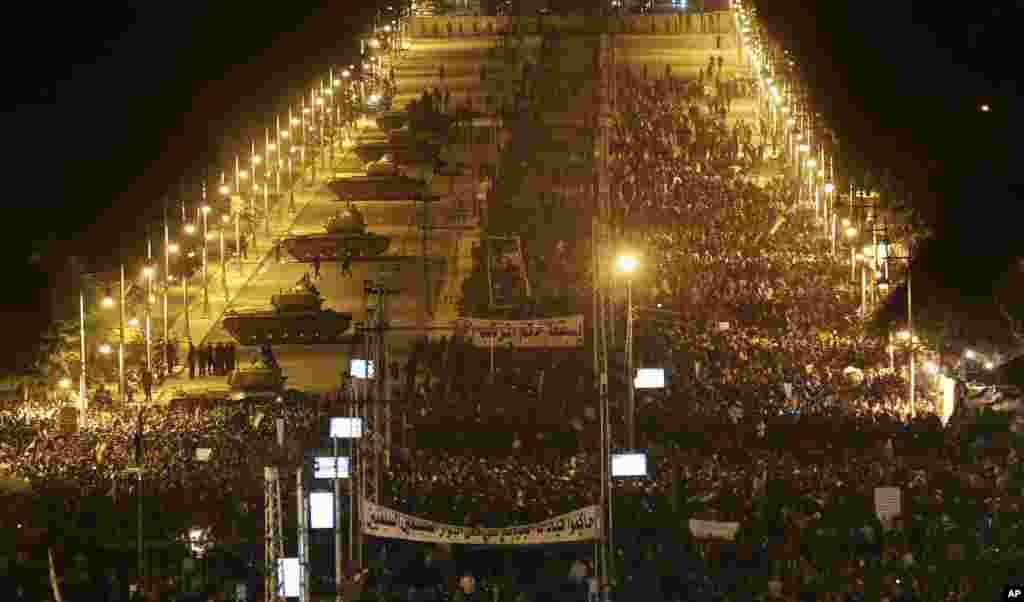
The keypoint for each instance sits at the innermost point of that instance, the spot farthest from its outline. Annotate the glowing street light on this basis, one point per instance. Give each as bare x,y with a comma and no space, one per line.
989,365
224,189
969,354
627,264
190,229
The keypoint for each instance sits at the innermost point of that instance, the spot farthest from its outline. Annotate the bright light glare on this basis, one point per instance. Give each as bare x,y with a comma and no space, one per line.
173,247
225,190
989,365
108,301
626,264
133,322
904,335
65,383
190,229
969,354
205,209
105,349
851,232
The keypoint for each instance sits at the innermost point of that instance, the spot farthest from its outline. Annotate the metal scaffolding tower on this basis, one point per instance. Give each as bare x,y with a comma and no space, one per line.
273,521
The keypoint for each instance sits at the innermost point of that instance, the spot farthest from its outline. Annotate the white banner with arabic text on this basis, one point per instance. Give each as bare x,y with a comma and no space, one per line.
523,334
580,525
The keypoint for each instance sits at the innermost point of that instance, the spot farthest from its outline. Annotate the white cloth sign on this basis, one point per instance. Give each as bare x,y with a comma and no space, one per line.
887,502
711,529
580,525
523,334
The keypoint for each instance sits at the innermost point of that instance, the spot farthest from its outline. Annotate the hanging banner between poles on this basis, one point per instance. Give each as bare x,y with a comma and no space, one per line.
580,525
546,333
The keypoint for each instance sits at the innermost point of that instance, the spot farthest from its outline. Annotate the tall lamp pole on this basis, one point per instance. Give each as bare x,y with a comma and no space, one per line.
148,273
120,346
206,279
82,387
167,285
626,265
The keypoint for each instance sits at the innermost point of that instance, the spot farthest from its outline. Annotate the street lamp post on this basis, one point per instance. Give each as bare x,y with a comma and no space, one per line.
224,220
148,273
912,394
82,387
626,265
167,284
120,346
206,279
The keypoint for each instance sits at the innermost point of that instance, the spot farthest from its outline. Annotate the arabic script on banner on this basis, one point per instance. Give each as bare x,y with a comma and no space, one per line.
580,525
524,334
710,529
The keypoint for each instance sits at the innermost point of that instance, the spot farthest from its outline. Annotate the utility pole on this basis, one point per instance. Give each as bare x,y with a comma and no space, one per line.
605,93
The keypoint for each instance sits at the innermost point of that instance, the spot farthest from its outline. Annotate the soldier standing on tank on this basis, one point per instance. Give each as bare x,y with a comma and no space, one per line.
193,357
316,266
346,263
201,360
147,385
172,357
211,360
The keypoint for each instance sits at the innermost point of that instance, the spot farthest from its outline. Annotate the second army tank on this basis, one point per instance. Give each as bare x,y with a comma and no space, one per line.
345,234
297,316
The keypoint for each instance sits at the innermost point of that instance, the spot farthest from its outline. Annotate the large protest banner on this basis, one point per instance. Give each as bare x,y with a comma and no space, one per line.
580,525
523,334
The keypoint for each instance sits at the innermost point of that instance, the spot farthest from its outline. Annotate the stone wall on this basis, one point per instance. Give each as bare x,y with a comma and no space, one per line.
720,22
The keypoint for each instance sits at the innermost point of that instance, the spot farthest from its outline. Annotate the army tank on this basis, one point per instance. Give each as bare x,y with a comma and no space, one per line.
378,188
345,234
392,120
297,316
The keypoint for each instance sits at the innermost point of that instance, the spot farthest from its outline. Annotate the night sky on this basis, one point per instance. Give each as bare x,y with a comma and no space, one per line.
902,82
109,107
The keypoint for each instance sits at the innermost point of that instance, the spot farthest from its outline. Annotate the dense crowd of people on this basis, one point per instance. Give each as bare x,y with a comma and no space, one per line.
776,418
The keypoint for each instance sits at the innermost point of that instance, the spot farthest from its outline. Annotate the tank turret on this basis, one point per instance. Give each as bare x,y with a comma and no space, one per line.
297,317
347,221
345,235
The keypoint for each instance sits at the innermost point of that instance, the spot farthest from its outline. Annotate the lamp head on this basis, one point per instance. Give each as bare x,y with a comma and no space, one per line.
626,264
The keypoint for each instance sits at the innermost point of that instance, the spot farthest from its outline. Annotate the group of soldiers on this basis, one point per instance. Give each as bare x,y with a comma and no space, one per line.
211,360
